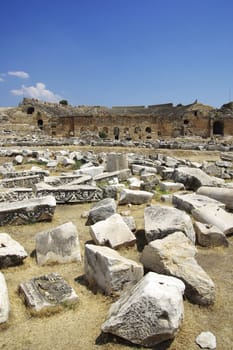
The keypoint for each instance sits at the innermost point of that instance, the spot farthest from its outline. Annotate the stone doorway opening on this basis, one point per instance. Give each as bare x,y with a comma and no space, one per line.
40,124
30,110
116,133
218,128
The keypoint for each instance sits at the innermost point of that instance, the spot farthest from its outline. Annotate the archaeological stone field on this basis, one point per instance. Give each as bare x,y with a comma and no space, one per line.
116,227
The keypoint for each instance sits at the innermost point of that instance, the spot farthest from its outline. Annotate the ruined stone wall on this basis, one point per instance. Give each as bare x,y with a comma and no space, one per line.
196,124
61,127
127,122
127,126
228,126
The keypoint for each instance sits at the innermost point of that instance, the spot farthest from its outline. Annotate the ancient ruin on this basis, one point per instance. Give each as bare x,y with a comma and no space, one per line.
122,122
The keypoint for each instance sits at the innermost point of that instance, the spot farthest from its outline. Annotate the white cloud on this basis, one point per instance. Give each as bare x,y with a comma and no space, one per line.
38,91
19,74
1,79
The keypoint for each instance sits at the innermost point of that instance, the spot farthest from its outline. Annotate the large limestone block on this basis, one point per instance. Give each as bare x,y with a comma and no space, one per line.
101,210
171,186
60,244
28,211
135,197
134,183
224,195
4,300
137,169
108,270
150,313
175,255
209,235
161,221
47,293
122,175
92,170
216,216
113,232
116,161
11,252
193,178
189,201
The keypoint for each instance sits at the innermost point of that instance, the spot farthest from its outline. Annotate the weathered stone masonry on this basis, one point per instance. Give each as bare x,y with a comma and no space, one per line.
130,123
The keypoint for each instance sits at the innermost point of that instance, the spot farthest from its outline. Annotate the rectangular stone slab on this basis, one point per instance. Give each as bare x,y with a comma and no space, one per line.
71,194
28,211
66,179
122,175
24,181
190,201
47,292
23,173
16,194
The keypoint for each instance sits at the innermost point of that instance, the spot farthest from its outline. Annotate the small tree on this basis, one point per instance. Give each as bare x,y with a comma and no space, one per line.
63,102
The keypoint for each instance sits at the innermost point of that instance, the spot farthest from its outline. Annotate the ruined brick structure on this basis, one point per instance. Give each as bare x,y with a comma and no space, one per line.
132,122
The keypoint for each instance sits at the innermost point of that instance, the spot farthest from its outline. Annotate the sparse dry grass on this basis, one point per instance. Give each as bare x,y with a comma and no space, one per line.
78,328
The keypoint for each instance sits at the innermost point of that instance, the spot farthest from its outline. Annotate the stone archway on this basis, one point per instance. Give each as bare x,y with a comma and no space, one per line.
218,127
30,110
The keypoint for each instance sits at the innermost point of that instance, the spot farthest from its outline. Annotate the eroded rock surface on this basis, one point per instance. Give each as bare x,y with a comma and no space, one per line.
161,221
149,313
60,244
108,270
174,255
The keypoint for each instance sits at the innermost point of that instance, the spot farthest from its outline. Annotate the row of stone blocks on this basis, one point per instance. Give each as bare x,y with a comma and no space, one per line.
65,189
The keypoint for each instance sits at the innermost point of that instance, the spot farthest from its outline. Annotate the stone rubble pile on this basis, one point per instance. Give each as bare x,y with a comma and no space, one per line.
149,309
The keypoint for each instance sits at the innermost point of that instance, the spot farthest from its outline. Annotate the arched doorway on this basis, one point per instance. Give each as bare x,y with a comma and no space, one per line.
30,110
116,133
148,131
40,124
218,128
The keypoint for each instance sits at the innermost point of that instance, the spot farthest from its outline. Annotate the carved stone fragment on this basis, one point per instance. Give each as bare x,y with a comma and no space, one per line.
70,193
28,211
47,292
149,313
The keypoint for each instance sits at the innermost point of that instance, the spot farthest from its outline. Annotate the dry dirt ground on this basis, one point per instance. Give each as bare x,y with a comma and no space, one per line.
78,328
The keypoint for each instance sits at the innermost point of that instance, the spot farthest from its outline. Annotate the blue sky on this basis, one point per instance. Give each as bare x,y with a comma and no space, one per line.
117,52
